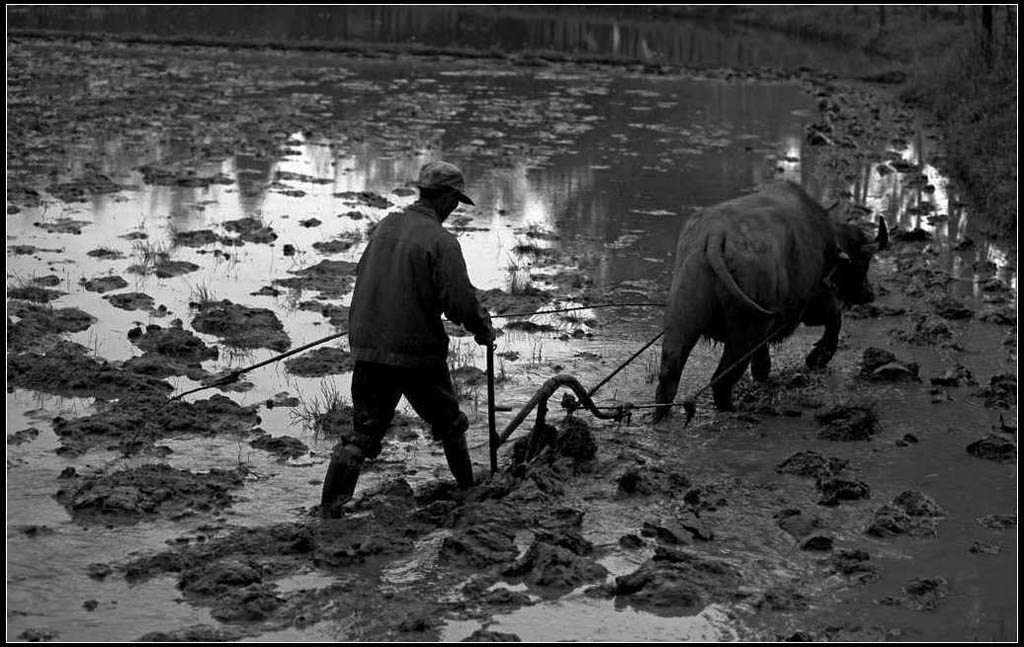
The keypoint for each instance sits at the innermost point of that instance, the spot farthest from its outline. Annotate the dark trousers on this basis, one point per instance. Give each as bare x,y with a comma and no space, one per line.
376,390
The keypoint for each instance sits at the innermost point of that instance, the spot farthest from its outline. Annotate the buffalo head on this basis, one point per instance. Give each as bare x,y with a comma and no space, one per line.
855,252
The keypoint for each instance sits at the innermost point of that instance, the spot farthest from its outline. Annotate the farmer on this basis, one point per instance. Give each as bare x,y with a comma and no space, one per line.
411,273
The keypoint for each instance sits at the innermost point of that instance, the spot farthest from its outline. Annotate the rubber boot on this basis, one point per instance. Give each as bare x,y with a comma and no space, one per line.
457,454
340,482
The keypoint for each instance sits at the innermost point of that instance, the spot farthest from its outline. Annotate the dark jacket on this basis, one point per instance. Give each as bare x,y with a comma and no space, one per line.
411,273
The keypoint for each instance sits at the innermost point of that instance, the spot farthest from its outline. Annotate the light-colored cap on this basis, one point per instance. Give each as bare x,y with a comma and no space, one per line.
442,175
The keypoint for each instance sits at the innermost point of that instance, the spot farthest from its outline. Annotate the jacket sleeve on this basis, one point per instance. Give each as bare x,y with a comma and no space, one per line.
458,297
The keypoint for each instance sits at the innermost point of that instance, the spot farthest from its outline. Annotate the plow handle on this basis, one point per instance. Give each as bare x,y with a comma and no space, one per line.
492,432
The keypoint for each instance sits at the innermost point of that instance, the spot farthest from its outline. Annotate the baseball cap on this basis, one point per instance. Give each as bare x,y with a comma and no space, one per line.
442,175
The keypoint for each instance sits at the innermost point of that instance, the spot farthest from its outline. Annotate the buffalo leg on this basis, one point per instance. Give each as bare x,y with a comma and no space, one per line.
740,346
761,364
730,370
687,317
674,353
825,348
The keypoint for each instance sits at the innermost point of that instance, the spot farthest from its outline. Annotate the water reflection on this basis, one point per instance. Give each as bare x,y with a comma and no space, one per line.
911,194
628,35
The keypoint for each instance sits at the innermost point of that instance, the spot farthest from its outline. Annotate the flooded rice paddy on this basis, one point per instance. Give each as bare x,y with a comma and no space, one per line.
178,212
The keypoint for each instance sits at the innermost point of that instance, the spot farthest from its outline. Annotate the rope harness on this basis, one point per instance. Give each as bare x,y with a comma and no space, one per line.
583,398
233,376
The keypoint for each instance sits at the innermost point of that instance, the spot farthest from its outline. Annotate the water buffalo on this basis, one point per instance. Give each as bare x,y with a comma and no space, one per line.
748,272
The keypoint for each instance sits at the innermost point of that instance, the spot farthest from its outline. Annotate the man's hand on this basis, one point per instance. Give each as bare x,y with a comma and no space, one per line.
485,338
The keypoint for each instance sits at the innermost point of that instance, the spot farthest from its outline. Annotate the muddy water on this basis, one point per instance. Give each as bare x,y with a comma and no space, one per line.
599,167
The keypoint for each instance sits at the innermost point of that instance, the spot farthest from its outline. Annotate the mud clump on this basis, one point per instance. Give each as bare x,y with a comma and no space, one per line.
926,330
785,394
881,365
873,311
506,599
334,422
251,230
782,598
855,564
104,284
910,513
196,238
985,548
320,362
81,189
950,308
40,634
22,436
339,244
468,376
1001,391
173,342
48,281
105,253
921,594
148,491
926,594
283,446
1005,316
220,577
135,421
848,423
833,490
335,314
652,479
525,301
24,196
183,177
679,530
677,583
557,563
488,636
998,521
240,326
131,301
797,524
367,198
480,546
164,268
62,226
26,250
811,464
98,571
819,543
331,278
68,370
994,448
958,375
159,366
529,326
40,326
570,445
34,293
252,603
196,633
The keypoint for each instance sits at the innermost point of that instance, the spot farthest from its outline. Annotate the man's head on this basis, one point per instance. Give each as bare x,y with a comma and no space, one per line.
442,184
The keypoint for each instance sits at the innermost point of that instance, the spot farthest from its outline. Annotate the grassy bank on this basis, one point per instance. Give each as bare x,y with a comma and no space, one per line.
954,61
